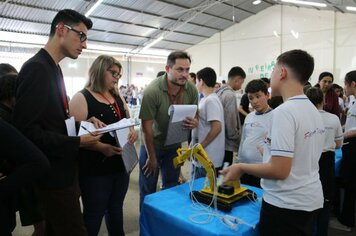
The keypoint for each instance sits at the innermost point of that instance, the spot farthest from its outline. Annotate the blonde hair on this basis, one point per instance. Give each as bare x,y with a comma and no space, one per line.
97,71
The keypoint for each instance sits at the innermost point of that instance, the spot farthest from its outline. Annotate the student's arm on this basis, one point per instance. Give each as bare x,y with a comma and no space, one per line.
350,134
278,168
231,119
338,143
338,133
213,133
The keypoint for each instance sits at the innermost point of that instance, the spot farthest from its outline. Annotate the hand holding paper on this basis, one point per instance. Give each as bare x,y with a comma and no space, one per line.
87,127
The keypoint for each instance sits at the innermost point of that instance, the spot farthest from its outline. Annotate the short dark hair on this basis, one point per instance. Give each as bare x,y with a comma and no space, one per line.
8,86
336,86
300,62
275,101
193,75
266,80
69,17
255,86
173,56
350,77
160,73
315,95
208,75
6,68
236,71
324,74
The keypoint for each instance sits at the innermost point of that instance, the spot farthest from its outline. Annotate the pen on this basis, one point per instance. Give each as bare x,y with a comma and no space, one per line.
87,130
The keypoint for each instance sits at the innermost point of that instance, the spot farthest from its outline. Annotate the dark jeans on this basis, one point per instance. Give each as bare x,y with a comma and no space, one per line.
322,221
104,195
170,175
63,215
279,221
327,178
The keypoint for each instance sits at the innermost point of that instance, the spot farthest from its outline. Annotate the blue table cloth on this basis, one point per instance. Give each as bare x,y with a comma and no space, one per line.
168,212
338,157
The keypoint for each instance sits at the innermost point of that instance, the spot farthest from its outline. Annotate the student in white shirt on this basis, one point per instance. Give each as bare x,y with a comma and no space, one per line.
255,128
348,162
210,132
290,179
333,139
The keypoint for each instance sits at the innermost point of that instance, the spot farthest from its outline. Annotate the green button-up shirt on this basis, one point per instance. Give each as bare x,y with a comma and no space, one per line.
155,104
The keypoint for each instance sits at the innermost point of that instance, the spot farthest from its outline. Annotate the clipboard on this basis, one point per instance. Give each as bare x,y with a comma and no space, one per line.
129,154
176,133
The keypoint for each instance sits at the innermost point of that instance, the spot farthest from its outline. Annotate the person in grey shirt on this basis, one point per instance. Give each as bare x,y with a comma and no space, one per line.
227,96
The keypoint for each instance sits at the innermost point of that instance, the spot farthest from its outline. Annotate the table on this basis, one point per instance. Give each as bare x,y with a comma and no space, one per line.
167,213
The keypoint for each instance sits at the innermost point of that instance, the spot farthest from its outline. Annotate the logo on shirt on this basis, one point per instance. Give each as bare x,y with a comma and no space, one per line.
253,124
314,132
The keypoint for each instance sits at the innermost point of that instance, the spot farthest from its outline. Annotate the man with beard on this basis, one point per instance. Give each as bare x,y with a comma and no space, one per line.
171,88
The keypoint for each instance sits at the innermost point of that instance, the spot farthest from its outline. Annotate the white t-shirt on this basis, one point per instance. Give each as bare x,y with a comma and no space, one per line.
350,124
254,132
333,130
297,132
211,109
351,100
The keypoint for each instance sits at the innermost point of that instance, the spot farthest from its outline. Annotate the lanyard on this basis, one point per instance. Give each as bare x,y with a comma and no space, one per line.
116,106
171,98
63,92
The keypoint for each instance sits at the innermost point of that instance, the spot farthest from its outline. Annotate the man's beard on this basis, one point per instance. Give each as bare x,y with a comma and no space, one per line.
176,83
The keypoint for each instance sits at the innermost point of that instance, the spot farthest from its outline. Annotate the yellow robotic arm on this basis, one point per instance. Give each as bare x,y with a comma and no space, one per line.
236,191
200,155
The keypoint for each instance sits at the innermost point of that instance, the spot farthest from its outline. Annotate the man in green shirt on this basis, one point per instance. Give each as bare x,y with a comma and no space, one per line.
168,89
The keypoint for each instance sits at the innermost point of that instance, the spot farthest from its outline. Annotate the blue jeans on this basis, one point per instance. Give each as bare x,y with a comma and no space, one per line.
104,195
170,175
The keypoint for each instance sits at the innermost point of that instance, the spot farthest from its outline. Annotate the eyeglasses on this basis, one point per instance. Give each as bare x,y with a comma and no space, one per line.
82,35
115,74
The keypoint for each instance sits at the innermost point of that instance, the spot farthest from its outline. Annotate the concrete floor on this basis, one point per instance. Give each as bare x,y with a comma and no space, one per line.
131,212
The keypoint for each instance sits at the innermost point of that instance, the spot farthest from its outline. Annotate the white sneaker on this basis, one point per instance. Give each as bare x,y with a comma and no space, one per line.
335,224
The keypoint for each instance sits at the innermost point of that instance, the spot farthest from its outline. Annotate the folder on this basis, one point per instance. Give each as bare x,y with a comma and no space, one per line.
176,133
129,154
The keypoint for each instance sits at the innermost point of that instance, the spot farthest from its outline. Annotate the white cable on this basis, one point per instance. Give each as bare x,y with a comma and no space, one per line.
230,221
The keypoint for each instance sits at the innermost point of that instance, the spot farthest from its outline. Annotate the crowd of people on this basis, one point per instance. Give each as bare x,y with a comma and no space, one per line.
284,132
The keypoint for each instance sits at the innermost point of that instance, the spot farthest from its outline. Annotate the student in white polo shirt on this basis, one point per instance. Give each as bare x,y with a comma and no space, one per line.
333,139
255,128
290,171
348,162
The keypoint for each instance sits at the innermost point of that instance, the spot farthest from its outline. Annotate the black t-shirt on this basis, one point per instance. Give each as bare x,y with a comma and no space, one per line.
92,162
244,103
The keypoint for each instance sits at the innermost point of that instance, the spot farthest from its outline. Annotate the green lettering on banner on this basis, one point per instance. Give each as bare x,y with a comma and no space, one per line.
263,69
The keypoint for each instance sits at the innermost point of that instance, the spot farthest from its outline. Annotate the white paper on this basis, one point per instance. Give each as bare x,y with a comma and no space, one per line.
122,135
180,112
124,123
70,124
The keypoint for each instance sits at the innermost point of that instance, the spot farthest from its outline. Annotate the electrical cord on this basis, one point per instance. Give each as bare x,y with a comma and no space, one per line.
229,221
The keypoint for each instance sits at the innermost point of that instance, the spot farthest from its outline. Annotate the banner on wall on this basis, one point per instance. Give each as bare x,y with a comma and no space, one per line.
262,70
